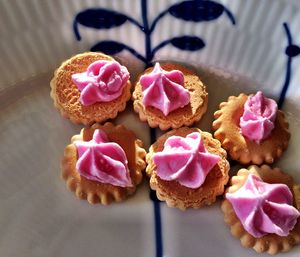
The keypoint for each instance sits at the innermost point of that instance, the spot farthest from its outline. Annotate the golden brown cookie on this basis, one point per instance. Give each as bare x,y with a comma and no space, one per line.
66,94
241,149
185,116
270,243
177,195
96,192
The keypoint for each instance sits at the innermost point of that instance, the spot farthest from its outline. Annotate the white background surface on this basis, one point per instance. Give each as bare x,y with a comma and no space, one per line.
38,215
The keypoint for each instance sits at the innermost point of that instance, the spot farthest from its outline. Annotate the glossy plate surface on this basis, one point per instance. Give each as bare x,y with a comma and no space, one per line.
235,46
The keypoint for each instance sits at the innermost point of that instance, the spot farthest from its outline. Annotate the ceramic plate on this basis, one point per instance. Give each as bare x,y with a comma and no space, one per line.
235,46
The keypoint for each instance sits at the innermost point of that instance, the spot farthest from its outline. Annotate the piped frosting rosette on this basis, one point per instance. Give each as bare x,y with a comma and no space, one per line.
261,207
103,81
164,90
103,161
185,159
258,119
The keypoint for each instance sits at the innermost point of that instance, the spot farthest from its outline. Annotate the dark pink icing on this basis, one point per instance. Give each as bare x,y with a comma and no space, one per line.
264,208
258,118
164,90
102,82
185,160
103,161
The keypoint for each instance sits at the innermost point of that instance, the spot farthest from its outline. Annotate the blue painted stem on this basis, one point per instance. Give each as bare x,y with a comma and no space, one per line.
156,204
288,33
288,68
147,32
158,233
161,45
136,23
135,53
156,20
286,83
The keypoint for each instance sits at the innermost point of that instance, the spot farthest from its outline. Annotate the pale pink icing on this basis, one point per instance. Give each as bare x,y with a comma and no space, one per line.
102,82
103,161
185,160
264,208
164,90
258,118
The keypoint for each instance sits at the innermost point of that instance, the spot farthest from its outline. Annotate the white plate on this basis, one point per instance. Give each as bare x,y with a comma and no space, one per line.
38,215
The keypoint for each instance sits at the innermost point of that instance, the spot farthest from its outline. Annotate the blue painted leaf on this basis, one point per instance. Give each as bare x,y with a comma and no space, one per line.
197,10
190,43
98,19
108,47
292,50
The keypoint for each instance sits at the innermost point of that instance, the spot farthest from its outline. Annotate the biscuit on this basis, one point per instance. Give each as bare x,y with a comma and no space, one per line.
184,116
65,93
271,243
241,149
96,192
177,195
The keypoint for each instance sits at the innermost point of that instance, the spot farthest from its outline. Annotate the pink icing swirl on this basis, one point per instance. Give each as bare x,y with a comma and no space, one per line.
185,160
102,82
164,90
264,208
258,118
103,161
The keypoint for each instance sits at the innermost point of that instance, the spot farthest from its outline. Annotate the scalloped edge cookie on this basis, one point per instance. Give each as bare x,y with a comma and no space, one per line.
270,243
65,93
185,116
241,149
96,192
180,196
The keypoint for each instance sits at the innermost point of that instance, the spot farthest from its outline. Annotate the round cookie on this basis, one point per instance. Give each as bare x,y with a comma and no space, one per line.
177,195
240,148
184,116
66,95
94,191
270,243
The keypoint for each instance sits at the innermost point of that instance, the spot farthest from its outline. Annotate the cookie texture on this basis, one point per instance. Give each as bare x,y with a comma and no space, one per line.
270,243
241,149
96,192
183,197
65,93
185,116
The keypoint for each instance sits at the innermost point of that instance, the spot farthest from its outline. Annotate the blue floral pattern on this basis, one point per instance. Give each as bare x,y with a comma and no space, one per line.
192,11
